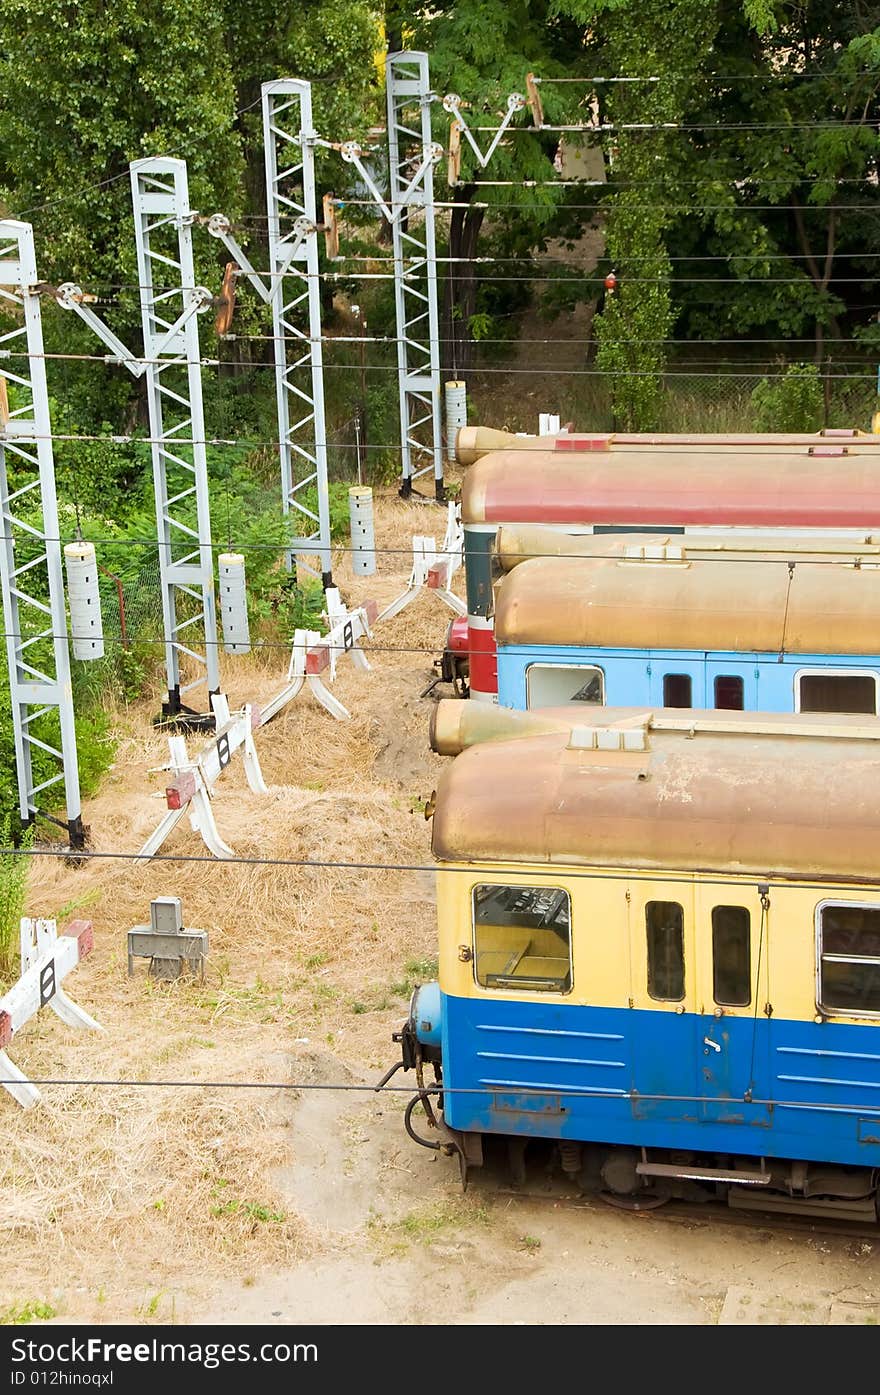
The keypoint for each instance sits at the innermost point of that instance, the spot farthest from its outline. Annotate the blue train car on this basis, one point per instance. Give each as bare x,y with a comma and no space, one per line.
659,950
754,635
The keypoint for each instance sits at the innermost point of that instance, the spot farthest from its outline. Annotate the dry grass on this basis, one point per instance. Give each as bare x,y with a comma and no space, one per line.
139,1180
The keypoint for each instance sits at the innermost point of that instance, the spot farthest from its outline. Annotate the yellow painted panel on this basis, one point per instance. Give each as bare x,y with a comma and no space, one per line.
609,934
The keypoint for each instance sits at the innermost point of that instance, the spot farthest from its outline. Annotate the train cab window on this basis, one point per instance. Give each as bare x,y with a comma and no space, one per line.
731,956
848,946
677,690
665,924
821,691
522,937
729,692
552,685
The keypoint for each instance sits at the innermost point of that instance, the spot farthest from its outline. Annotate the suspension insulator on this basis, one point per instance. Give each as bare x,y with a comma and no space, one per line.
233,604
84,600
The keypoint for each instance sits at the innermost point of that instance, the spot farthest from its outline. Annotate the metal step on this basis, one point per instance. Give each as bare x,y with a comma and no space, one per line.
703,1174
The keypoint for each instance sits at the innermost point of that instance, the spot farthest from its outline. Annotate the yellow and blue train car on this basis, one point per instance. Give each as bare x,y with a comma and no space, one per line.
659,947
658,626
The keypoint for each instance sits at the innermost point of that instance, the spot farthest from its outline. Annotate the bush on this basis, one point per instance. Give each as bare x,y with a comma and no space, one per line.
13,876
792,402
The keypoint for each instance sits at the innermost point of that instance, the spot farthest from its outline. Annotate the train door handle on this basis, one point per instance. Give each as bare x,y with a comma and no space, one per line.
707,1041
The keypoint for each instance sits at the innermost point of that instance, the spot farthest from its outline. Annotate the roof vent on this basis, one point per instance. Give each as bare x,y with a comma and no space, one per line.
655,552
608,739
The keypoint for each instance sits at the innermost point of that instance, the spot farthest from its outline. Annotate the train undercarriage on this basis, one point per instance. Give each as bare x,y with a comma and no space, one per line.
643,1178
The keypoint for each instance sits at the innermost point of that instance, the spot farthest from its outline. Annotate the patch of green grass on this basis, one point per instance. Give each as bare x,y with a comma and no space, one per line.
33,1311
234,1207
416,971
314,961
530,1243
425,1225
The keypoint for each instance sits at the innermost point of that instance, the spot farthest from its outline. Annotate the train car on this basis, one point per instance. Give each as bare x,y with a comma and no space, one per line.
656,626
823,490
659,954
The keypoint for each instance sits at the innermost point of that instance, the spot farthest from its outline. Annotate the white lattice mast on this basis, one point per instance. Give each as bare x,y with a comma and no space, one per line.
34,614
170,303
409,101
289,140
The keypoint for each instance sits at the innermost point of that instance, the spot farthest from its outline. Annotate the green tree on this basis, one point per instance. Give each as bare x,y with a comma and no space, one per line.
791,144
482,50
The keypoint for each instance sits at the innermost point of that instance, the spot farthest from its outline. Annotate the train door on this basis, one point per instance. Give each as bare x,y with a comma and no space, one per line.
663,995
732,686
732,1039
675,681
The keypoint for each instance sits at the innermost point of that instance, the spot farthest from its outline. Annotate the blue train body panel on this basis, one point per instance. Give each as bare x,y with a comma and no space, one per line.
757,1087
636,677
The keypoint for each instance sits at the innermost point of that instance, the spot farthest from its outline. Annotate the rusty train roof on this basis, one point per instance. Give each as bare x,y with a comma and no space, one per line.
673,487
473,442
747,606
754,802
516,543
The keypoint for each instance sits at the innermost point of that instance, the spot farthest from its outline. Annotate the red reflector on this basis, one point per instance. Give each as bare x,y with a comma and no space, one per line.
317,659
5,1030
372,609
181,792
84,934
438,579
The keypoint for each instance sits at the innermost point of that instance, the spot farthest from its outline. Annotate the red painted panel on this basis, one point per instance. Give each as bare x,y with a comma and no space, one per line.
483,662
807,491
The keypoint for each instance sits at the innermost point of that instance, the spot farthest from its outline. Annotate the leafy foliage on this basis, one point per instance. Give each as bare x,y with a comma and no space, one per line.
792,402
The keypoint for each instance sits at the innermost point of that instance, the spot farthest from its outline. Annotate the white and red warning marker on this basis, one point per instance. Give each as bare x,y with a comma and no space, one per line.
46,959
314,657
434,569
190,791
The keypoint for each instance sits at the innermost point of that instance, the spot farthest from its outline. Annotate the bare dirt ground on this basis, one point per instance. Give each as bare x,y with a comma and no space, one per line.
191,1203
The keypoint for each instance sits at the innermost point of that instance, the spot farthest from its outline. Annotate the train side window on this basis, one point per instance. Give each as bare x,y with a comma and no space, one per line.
665,925
677,690
731,956
551,685
522,937
848,945
835,692
729,692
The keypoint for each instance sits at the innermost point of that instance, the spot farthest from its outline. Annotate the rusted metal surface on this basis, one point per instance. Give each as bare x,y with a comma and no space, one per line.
455,725
675,487
746,606
516,543
473,442
758,801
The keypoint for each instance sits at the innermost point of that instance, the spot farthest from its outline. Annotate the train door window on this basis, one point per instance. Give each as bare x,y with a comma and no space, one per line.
731,956
821,690
522,937
665,924
848,951
677,690
551,685
729,692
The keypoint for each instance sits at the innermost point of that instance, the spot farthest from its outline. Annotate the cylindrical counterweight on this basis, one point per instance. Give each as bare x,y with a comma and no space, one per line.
84,600
363,542
233,604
